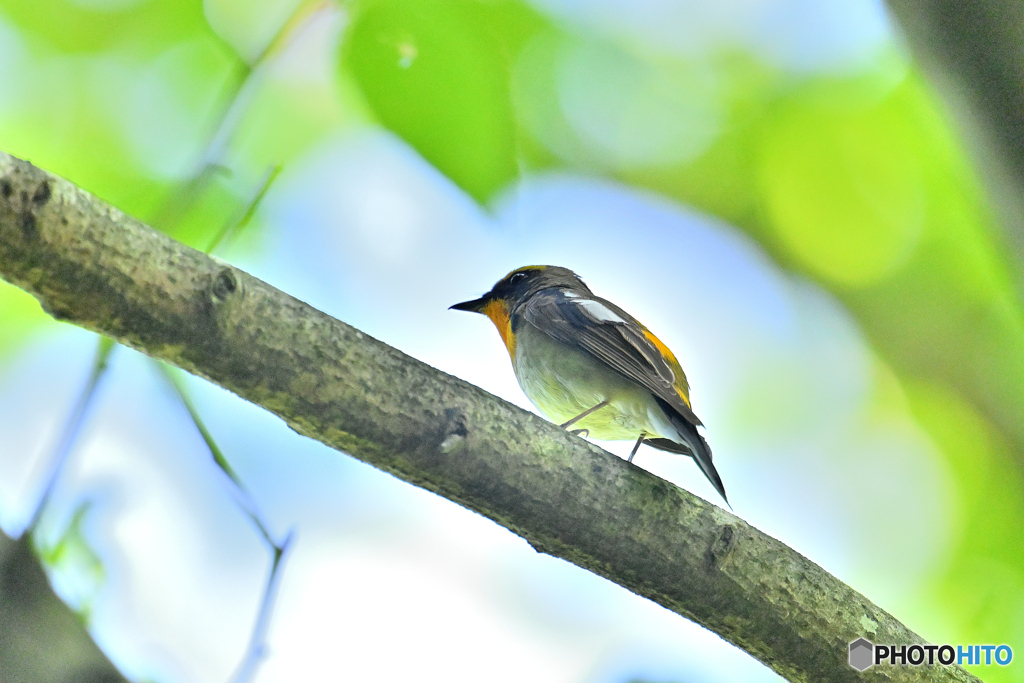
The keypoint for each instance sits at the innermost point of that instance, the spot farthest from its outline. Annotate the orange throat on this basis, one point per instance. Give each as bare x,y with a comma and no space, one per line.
497,311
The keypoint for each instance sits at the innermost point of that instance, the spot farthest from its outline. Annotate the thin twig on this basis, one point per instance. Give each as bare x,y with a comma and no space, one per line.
100,363
245,499
237,224
257,648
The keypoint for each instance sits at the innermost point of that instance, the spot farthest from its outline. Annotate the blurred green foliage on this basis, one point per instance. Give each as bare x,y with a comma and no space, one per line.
72,106
21,315
71,27
983,583
842,190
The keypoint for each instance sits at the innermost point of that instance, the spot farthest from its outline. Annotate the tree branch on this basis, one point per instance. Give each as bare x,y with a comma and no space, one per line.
91,265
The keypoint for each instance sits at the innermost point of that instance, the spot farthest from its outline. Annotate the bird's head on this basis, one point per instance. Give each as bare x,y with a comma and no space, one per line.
520,285
515,288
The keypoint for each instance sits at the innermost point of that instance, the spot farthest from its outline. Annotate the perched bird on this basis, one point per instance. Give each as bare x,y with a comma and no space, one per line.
586,363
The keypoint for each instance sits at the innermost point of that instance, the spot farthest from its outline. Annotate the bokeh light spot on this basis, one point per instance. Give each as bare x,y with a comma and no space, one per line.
843,193
637,112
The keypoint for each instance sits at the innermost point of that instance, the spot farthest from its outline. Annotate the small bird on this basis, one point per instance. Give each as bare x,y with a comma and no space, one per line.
586,363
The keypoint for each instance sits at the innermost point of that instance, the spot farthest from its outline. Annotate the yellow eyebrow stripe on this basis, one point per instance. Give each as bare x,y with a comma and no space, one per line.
523,270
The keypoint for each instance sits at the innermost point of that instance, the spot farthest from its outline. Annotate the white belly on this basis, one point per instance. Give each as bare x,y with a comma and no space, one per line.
564,382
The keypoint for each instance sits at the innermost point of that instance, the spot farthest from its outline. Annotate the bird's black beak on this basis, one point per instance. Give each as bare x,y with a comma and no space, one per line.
473,306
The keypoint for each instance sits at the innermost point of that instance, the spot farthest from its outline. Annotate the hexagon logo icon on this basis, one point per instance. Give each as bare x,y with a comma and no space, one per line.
862,654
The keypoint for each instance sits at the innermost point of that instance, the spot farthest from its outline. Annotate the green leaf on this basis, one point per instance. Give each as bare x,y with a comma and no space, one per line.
437,74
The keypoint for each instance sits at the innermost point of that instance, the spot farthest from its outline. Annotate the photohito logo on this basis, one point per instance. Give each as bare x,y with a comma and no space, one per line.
864,654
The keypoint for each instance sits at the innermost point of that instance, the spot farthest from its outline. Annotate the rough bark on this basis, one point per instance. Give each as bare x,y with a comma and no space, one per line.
91,265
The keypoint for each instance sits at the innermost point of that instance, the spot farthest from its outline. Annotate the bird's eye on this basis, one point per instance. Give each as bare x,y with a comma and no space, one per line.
516,277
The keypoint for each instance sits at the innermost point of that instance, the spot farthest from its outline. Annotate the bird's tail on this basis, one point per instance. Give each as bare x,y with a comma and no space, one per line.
692,444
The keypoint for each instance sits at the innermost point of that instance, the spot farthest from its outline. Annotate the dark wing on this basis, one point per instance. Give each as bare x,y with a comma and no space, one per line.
614,337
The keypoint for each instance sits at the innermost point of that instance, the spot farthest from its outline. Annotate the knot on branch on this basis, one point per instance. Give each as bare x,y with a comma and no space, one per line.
454,430
24,196
42,194
722,546
224,285
214,304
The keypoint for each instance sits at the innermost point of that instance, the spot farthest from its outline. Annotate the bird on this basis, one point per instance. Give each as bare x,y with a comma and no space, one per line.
586,363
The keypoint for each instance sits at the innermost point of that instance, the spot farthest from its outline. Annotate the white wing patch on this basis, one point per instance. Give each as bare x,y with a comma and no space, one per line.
598,311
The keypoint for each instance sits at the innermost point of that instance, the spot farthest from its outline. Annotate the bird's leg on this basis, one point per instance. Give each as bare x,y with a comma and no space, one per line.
582,415
643,435
582,433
